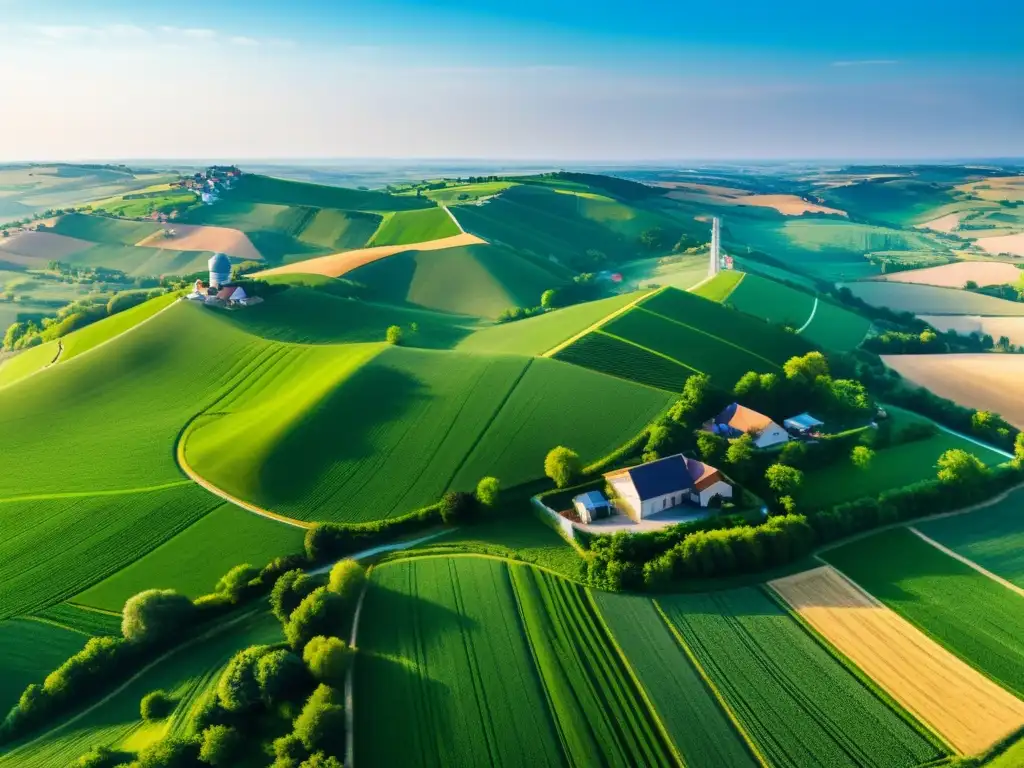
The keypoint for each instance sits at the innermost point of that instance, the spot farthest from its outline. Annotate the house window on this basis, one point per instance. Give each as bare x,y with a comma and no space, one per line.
664,503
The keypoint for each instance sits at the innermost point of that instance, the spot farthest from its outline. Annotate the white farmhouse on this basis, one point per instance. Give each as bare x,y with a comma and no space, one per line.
660,485
737,420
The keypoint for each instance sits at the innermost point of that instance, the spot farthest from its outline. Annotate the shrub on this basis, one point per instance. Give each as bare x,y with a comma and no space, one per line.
347,580
328,659
235,582
394,335
321,760
289,590
488,491
458,507
238,688
320,613
98,757
782,479
712,448
172,752
321,725
119,302
281,676
156,705
563,466
220,746
155,614
958,467
327,541
861,456
289,751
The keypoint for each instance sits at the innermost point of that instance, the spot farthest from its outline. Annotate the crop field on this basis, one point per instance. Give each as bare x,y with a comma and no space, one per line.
537,335
27,362
601,714
955,275
264,189
1010,327
720,287
139,204
99,229
274,230
932,300
892,467
83,619
976,618
141,260
184,674
606,354
91,336
698,726
798,703
992,537
835,328
192,561
340,230
407,227
772,301
29,651
37,248
984,381
553,404
682,272
491,280
41,563
463,194
441,641
970,711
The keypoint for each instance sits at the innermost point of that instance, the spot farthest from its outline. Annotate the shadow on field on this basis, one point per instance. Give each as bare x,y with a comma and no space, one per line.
406,613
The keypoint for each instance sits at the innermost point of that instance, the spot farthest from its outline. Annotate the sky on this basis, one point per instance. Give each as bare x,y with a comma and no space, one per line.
559,80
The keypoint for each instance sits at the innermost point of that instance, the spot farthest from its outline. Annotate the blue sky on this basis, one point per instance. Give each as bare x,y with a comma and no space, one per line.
531,79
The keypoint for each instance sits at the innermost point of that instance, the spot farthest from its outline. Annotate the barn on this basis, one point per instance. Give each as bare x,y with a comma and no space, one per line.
737,420
673,481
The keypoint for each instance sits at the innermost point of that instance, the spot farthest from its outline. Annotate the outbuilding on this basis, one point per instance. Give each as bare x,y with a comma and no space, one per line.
656,486
804,424
591,506
737,420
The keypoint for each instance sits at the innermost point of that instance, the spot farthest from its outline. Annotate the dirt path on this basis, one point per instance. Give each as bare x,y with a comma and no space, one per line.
969,563
606,319
457,224
810,319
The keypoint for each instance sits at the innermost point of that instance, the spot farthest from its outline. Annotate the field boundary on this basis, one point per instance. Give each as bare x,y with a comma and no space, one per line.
90,494
350,712
457,224
606,319
52,623
711,336
969,563
646,349
814,311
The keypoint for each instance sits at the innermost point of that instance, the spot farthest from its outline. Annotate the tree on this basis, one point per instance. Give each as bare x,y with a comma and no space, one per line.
321,760
740,451
958,467
346,580
1018,450
235,582
458,507
488,492
238,688
394,335
221,746
652,238
320,613
289,751
808,368
98,757
563,466
328,659
172,752
289,590
783,480
793,454
861,456
156,705
281,676
155,614
321,724
970,285
548,298
712,448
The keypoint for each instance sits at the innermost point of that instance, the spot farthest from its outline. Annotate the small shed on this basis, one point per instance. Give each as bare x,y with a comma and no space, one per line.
591,506
803,424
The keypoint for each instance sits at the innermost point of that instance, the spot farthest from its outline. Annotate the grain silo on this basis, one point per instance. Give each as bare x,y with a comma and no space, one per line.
220,270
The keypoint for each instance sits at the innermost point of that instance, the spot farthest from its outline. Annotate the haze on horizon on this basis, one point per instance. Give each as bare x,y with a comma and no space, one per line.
533,79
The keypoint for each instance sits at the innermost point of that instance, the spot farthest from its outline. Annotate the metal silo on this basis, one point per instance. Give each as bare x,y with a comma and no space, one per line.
220,270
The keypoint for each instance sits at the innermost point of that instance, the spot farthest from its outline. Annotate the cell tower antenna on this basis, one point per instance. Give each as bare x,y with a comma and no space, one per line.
716,236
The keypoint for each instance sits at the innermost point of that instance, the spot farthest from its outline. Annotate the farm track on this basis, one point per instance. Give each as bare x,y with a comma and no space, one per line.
90,494
596,326
810,319
969,563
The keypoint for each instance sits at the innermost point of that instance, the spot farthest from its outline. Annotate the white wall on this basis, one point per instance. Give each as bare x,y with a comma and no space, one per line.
719,488
665,502
773,434
628,498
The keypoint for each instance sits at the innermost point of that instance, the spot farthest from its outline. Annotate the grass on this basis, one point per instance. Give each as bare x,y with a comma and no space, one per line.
835,328
772,301
490,280
340,230
140,261
106,329
54,548
27,362
720,287
601,714
463,194
976,618
100,229
798,704
264,189
407,227
185,674
607,354
192,561
682,272
992,537
143,203
933,300
536,335
275,230
696,723
29,651
441,641
83,619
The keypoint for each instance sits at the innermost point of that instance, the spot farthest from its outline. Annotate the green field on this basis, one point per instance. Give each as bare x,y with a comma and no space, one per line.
264,189
340,230
407,227
491,280
536,335
899,202
441,641
54,548
100,229
29,651
140,261
799,705
91,336
992,537
835,328
186,674
932,300
463,194
978,619
616,357
720,287
696,723
192,561
90,621
27,362
140,204
681,272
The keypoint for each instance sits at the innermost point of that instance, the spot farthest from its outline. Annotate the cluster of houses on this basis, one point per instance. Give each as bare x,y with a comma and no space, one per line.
219,291
678,481
209,184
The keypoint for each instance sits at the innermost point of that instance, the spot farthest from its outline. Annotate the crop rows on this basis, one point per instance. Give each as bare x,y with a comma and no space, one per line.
29,651
693,718
601,715
720,287
799,705
406,227
976,618
602,352
81,619
441,643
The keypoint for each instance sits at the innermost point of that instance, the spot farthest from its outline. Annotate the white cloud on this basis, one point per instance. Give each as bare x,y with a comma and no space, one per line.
865,63
242,40
198,34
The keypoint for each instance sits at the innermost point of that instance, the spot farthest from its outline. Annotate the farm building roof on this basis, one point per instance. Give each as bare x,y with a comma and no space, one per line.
657,478
704,475
743,419
802,422
591,500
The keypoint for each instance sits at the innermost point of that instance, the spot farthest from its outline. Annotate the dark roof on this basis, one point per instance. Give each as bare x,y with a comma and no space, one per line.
659,477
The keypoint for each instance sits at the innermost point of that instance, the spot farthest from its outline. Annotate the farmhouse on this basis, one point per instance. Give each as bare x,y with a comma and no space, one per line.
670,482
737,420
803,425
591,506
